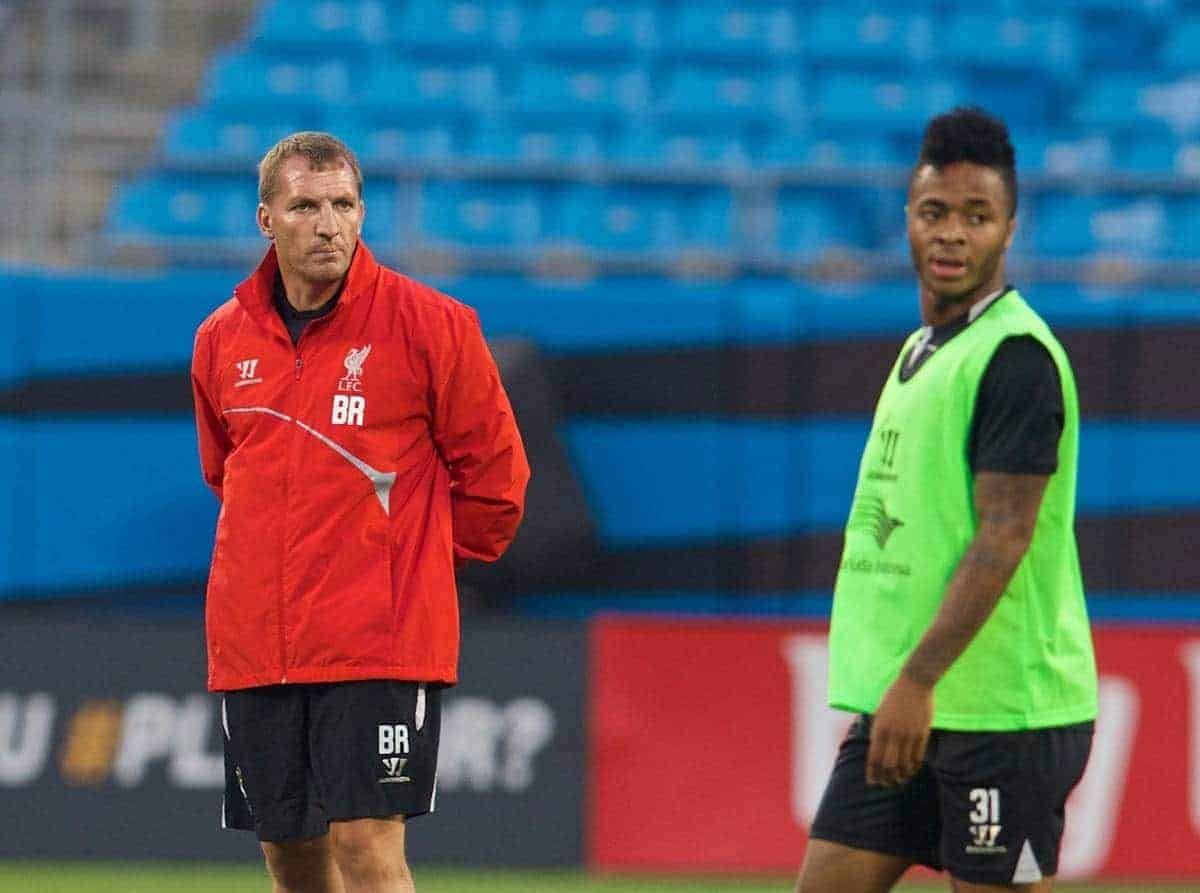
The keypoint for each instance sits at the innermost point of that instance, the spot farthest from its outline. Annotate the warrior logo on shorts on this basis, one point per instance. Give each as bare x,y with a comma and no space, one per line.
985,821
393,739
395,770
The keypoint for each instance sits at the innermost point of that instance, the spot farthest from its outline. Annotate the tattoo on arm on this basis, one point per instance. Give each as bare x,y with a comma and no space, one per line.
1006,506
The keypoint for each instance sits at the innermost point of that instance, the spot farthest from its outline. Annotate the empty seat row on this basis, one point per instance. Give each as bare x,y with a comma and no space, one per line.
1136,227
712,96
1027,36
232,140
189,208
449,92
201,208
656,217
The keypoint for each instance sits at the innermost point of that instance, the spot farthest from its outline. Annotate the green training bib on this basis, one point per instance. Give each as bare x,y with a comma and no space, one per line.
1031,665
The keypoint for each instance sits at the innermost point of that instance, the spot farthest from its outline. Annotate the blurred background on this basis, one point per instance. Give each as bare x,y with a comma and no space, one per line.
682,226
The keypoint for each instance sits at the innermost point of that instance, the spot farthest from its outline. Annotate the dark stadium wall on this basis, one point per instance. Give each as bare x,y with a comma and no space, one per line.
688,437
110,747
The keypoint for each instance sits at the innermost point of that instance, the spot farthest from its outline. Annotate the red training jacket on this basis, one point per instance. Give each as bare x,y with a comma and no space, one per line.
355,470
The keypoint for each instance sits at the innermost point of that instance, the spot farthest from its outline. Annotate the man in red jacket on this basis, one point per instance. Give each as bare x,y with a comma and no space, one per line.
353,424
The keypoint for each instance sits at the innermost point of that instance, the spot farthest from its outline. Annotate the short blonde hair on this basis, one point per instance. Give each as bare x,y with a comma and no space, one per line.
321,150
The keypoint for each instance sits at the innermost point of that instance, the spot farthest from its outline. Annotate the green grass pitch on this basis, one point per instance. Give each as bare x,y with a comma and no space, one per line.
47,877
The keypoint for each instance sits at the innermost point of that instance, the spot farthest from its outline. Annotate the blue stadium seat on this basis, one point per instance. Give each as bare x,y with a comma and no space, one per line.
1130,8
809,224
1149,153
1023,244
350,25
1021,99
897,104
718,98
483,215
1075,225
593,29
438,93
1187,159
683,148
1181,49
1175,104
196,135
384,143
1118,39
1134,102
1111,101
1064,155
256,82
466,28
858,36
580,93
1185,227
163,206
1027,42
1062,224
381,226
713,30
707,219
867,149
623,218
535,145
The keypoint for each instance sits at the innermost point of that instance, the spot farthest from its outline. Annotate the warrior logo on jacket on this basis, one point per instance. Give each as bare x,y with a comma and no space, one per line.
246,372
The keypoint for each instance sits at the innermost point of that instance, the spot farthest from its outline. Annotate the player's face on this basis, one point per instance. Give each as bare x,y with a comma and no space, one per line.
314,218
959,229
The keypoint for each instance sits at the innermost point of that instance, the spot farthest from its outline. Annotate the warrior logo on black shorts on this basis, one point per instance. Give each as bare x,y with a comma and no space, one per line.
393,739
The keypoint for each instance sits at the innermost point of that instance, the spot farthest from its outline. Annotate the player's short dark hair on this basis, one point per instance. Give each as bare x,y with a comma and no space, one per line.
968,133
321,150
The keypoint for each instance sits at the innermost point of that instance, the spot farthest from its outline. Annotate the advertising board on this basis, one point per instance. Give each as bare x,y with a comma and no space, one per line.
110,747
712,743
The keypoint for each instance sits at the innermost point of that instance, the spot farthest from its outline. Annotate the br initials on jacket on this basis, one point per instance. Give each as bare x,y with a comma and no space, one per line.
350,410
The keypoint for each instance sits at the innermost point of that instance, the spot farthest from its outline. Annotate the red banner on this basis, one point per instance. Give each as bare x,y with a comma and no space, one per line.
712,745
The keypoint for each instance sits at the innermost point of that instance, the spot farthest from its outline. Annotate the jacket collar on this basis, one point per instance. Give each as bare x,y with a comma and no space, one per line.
256,292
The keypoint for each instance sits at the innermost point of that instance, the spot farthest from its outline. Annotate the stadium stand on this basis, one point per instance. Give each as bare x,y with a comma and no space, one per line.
695,210
534,121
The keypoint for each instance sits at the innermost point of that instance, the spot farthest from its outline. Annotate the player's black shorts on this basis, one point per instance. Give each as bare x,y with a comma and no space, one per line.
300,756
986,806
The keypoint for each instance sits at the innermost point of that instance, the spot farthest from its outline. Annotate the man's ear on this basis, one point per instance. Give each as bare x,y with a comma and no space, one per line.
264,222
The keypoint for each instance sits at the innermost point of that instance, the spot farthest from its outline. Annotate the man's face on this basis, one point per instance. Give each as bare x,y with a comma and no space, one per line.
314,218
959,229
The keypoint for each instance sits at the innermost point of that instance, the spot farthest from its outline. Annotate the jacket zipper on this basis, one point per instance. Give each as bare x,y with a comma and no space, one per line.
283,595
299,370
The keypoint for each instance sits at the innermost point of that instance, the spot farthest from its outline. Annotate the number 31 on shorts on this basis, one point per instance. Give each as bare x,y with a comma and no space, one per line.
987,806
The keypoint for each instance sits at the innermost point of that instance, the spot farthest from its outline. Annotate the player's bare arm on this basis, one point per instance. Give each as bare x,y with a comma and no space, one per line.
1006,506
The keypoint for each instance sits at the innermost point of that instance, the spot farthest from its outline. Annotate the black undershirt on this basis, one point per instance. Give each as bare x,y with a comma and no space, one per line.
1019,414
296,320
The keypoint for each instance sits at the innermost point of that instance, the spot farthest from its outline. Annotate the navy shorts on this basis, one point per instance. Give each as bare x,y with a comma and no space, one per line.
988,807
300,756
